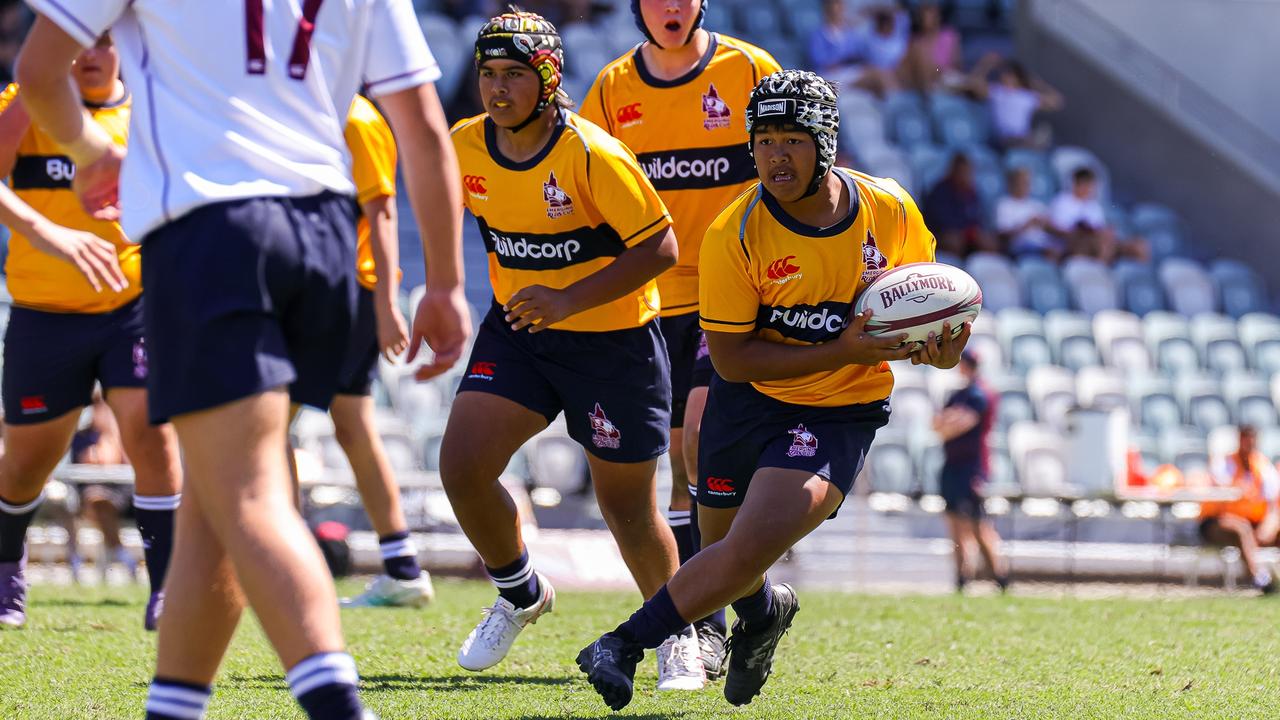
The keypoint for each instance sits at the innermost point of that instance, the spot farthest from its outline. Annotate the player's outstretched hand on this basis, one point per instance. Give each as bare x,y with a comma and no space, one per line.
537,308
97,184
393,333
942,352
94,257
443,321
860,348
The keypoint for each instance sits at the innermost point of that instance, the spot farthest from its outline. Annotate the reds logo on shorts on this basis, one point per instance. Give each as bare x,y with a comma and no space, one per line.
482,370
140,359
604,434
803,443
720,486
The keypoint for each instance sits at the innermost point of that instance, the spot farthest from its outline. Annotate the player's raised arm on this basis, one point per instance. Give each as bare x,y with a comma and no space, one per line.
94,257
43,67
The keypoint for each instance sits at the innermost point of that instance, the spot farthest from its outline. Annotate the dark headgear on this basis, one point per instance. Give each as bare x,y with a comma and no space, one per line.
803,99
530,39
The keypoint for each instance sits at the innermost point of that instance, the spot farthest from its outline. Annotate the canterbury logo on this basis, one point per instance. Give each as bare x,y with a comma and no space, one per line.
719,485
474,184
483,368
782,268
629,113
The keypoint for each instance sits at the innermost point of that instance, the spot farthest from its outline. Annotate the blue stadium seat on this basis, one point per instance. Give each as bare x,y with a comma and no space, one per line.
1153,404
1218,343
451,49
928,165
908,125
1248,397
1201,401
760,20
1240,287
1120,340
1070,336
1168,338
803,19
1021,334
960,127
1042,285
1053,394
1015,403
1138,286
1039,459
890,467
995,275
1150,217
1091,285
1260,336
1099,387
1184,447
1188,287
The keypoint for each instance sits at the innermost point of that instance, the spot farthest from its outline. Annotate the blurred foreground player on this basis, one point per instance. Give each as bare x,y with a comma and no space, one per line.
676,100
796,403
964,425
77,319
576,235
238,186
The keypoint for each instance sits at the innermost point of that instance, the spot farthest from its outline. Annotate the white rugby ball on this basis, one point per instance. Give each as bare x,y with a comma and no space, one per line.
918,298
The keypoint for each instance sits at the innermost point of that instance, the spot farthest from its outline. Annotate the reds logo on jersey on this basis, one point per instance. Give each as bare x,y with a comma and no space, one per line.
629,115
604,434
558,201
716,110
783,271
874,261
803,443
475,186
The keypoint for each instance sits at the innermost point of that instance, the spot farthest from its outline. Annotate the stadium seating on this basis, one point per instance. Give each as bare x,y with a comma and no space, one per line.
1120,340
1090,284
1042,285
999,282
1138,287
1070,336
1187,287
1240,289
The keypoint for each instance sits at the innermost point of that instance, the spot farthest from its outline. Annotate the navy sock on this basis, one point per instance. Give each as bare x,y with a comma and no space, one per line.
654,622
325,686
155,525
756,609
682,529
517,583
14,521
716,618
176,700
400,556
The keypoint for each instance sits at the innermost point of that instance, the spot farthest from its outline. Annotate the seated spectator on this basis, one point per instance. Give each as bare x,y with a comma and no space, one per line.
1022,221
953,211
1013,100
99,444
840,50
1254,519
886,45
1077,217
933,53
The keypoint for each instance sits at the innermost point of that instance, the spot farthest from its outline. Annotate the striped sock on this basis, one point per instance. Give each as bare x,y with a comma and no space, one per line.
682,529
155,524
400,556
517,582
176,700
14,520
325,686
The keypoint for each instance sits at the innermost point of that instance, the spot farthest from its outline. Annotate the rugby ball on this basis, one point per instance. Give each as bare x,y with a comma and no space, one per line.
918,298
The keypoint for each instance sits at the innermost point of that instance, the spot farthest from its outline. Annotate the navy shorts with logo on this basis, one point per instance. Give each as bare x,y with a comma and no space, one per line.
52,360
247,295
744,430
361,364
690,360
614,387
959,484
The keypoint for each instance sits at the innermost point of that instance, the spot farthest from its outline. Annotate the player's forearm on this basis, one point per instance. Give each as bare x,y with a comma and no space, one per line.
752,359
633,268
384,244
19,216
43,70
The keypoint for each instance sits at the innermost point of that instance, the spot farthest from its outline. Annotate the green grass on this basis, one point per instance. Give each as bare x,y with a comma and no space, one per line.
84,655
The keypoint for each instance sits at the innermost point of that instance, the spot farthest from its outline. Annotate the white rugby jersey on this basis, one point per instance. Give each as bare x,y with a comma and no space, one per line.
234,100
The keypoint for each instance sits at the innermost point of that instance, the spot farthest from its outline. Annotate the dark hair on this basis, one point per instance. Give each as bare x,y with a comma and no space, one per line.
1247,429
1083,174
1019,71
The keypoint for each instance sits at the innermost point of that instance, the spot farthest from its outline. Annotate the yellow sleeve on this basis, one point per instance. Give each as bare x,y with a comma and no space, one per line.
592,106
624,195
6,97
918,244
373,155
728,299
765,64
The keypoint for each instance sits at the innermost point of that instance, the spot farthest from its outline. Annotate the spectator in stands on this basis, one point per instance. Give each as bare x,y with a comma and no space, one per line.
1077,217
964,425
1022,221
99,444
1013,100
1253,519
953,211
933,53
886,44
839,51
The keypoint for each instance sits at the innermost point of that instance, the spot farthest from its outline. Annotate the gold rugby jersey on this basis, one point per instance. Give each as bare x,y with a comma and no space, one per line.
762,271
561,215
42,176
691,139
373,168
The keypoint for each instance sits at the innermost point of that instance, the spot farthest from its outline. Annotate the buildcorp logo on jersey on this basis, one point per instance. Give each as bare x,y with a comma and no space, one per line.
671,168
522,248
806,319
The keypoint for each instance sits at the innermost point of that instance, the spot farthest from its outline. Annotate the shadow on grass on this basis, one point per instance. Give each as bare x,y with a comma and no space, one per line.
401,682
79,602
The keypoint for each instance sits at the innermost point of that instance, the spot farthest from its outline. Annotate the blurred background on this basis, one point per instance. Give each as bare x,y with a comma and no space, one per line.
1109,172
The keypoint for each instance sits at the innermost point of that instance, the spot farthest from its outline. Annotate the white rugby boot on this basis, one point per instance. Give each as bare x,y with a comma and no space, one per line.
491,640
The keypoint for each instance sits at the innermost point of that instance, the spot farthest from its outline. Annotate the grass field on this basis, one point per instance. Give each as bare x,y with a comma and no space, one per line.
84,655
